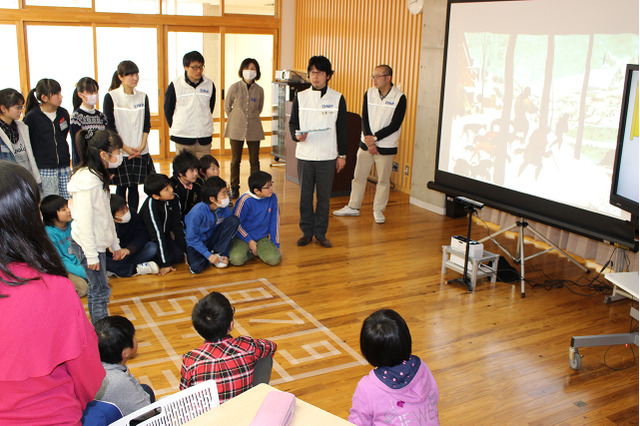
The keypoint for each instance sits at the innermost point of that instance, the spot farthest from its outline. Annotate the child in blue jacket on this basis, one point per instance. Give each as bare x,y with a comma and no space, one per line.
210,227
259,230
56,216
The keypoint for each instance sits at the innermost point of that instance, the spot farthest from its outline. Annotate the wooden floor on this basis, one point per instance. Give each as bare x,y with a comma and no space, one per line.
497,358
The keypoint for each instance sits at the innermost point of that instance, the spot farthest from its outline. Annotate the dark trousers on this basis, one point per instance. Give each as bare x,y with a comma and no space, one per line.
218,242
127,266
315,176
236,157
134,196
173,253
262,370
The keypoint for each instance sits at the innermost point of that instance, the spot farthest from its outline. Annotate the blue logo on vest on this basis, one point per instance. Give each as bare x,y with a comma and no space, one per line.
327,106
204,91
138,105
389,103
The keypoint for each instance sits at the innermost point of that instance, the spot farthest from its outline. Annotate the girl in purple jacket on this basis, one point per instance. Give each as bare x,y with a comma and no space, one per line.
400,389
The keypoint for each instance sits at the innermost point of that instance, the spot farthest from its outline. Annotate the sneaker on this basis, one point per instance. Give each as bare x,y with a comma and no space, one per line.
346,211
378,217
220,263
147,268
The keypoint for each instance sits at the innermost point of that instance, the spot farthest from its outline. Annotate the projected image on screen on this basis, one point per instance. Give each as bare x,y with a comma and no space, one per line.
532,96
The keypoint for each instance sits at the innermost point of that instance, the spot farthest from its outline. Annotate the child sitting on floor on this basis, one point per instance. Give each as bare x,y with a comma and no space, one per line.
161,216
259,230
185,181
117,344
209,167
210,227
400,389
56,216
234,363
134,240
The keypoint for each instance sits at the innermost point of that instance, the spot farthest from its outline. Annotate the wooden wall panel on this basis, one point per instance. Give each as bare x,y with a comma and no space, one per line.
356,36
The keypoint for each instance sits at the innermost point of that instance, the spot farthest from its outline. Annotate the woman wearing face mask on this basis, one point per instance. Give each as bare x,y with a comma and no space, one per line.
138,249
243,104
85,115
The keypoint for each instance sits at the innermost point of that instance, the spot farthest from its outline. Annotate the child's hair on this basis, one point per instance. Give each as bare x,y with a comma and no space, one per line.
257,180
212,316
11,97
183,162
22,232
90,144
385,339
211,187
117,202
45,87
85,84
154,183
49,207
124,68
245,64
115,333
320,63
206,161
193,56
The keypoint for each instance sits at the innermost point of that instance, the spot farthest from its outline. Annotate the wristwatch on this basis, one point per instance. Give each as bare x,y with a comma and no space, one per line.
344,157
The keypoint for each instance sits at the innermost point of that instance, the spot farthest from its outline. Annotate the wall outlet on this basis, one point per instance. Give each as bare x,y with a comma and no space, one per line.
406,170
395,167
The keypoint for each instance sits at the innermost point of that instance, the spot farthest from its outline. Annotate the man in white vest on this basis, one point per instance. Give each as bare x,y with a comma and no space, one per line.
382,115
188,105
319,126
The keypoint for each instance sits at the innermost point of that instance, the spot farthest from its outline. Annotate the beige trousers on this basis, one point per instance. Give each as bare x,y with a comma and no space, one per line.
79,283
196,149
364,163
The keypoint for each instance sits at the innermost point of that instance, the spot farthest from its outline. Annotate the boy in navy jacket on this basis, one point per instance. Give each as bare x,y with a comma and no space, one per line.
161,216
259,230
184,181
210,226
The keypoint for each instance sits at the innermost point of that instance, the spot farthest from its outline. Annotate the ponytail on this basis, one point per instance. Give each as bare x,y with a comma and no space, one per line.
31,101
75,99
90,144
115,81
124,68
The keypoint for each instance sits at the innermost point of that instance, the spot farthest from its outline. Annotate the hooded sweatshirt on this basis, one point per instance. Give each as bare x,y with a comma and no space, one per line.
414,400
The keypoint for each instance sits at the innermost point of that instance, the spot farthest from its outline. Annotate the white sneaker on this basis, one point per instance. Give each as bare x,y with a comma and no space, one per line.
147,268
220,264
346,211
378,217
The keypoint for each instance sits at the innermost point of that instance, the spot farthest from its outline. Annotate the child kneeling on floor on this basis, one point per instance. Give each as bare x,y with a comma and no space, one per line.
117,344
236,364
400,389
138,248
259,230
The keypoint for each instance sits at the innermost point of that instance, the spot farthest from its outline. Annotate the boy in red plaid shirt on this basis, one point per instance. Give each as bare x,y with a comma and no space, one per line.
227,360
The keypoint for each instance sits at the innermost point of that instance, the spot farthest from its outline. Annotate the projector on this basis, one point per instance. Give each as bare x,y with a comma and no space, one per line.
459,244
290,76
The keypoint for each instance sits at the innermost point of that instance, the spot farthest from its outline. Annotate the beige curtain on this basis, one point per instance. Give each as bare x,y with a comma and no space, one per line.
583,247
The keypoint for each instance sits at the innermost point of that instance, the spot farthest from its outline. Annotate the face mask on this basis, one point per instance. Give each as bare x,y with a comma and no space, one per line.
125,218
224,202
117,163
249,75
91,100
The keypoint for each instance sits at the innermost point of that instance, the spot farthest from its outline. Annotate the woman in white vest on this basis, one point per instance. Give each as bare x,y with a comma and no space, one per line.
127,111
243,105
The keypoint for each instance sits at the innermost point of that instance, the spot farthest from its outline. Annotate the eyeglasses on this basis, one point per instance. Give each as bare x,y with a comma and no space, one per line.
233,310
376,76
197,67
314,72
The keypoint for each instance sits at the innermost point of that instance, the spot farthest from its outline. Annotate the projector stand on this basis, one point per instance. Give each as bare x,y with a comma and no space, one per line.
521,224
465,279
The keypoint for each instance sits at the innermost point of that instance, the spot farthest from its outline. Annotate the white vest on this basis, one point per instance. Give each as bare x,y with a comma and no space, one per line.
318,115
192,114
128,111
380,114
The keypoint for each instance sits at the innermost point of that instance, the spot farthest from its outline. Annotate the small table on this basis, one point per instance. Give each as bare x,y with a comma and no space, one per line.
628,283
242,409
478,266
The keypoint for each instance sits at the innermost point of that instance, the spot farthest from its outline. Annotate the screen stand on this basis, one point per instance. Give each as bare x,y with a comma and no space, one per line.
465,278
519,258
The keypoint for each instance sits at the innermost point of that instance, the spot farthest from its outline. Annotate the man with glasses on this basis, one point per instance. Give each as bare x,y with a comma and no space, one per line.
188,105
382,115
319,126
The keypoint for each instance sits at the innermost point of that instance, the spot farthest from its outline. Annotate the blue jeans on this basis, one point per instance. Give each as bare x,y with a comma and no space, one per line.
99,290
127,266
218,242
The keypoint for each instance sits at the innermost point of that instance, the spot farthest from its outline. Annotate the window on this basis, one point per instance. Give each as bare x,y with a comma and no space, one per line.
52,61
59,3
9,69
8,4
192,7
117,44
250,7
128,6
